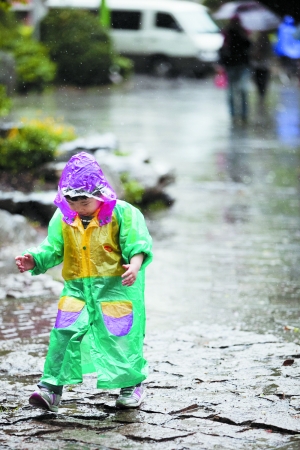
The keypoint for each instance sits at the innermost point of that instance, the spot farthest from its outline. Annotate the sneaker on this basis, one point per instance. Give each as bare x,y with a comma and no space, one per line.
45,399
131,397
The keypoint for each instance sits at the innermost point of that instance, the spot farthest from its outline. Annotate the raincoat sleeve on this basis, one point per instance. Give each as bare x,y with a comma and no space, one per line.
134,235
50,252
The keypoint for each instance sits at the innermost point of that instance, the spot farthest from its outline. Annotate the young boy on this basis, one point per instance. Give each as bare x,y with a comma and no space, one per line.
105,246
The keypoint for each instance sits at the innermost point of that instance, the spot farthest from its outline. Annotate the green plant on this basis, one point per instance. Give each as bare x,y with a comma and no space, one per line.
121,153
5,102
34,143
156,206
8,27
34,68
123,66
134,191
5,5
79,45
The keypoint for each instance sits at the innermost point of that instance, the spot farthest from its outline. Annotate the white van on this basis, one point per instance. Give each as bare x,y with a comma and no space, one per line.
160,36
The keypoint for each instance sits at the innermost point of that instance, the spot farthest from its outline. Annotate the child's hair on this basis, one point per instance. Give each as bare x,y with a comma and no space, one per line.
78,197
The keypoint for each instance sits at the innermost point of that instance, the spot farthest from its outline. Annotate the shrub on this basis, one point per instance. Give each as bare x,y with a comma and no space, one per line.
123,66
5,102
34,68
133,189
8,27
79,45
34,143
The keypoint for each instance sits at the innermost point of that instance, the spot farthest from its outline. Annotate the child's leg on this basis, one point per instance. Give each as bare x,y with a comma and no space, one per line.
56,389
63,360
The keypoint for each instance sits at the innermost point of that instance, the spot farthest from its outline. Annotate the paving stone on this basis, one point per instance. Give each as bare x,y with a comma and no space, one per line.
77,436
32,428
138,416
82,411
295,402
251,439
65,420
242,338
151,432
165,405
280,422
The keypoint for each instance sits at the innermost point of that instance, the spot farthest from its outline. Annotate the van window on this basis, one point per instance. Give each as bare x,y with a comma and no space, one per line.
164,20
125,20
198,22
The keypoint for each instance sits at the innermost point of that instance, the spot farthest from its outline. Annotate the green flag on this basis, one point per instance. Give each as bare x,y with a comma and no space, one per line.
104,14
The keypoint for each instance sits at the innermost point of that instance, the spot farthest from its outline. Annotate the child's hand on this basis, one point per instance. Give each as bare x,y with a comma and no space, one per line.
132,269
130,275
25,262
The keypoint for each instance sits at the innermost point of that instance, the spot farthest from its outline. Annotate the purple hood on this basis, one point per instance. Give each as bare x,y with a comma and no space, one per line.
83,176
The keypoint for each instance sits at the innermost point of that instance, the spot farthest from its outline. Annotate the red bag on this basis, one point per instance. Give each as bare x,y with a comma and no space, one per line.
220,80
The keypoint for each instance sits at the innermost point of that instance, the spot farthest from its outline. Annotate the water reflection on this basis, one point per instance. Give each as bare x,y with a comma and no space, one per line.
234,166
27,318
230,246
238,166
288,116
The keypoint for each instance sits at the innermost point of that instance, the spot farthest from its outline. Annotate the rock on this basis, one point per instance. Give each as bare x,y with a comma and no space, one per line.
90,144
14,228
138,167
37,206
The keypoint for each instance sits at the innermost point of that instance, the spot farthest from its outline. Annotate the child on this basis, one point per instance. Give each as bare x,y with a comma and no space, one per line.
105,246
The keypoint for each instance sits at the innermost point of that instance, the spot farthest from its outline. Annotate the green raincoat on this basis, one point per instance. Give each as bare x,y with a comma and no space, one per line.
100,323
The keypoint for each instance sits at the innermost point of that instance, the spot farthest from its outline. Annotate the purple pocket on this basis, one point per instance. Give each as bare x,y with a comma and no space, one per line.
65,318
69,309
118,317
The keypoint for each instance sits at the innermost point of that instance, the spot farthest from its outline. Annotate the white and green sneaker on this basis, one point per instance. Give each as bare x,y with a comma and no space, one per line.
131,397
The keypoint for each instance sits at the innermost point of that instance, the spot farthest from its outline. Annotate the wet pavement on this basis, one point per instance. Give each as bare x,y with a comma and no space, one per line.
222,293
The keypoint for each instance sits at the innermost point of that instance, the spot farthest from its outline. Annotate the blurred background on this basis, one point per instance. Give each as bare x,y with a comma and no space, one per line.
205,143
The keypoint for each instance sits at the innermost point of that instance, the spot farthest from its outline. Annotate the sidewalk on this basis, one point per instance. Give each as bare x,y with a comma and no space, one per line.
210,387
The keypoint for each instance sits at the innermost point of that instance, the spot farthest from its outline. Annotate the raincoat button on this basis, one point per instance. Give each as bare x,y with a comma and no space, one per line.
84,248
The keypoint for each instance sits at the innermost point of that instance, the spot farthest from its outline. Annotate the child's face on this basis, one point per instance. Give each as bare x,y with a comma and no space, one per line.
85,207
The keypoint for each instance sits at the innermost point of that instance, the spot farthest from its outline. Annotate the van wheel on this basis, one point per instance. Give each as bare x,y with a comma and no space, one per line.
161,68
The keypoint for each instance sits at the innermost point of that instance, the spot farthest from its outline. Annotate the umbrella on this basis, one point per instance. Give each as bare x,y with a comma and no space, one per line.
253,15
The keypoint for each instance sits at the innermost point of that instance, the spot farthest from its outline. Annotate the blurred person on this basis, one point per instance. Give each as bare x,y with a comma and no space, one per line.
296,34
287,47
261,61
234,57
105,246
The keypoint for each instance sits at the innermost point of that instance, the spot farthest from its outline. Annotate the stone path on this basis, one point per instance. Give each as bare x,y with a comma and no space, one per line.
234,229
210,387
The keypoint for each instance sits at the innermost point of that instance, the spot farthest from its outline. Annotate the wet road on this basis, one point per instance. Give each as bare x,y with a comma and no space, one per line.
228,250
222,293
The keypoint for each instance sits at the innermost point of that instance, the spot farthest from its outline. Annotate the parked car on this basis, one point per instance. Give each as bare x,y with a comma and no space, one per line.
161,37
